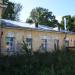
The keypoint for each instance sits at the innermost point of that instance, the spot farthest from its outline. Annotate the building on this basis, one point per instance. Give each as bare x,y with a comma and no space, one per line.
40,38
37,38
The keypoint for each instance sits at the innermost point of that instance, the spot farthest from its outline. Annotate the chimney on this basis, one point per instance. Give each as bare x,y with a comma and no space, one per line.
65,24
36,24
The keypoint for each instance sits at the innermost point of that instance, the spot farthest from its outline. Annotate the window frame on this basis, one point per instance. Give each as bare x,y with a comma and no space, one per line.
44,44
29,42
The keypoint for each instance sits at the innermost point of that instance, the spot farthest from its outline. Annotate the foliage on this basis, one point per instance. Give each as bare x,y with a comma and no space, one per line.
9,11
43,16
25,50
54,63
12,11
73,23
70,22
17,9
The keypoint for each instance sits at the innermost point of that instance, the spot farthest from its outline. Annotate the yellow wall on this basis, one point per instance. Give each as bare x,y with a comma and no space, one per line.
37,37
71,38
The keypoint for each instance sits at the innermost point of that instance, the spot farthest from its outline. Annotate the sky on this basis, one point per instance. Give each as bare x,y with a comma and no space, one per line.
58,7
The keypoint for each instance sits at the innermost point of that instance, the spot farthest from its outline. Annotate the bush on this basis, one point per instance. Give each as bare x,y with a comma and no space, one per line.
56,63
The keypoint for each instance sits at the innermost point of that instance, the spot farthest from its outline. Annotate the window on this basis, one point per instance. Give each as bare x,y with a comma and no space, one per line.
29,43
10,44
44,44
74,43
66,43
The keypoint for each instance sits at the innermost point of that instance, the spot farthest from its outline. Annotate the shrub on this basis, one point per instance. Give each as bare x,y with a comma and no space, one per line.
56,63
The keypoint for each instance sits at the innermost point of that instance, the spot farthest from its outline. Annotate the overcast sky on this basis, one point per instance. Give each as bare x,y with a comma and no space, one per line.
58,7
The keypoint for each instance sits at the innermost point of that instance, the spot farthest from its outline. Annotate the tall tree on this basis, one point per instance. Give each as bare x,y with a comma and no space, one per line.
17,9
9,11
12,11
73,23
43,16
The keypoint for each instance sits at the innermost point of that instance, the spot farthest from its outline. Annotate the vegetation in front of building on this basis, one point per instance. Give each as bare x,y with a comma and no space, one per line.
59,62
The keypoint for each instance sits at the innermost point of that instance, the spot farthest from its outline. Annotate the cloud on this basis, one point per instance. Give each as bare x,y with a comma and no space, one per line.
59,18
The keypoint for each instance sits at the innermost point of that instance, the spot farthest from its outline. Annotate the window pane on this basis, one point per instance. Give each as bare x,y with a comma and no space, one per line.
66,43
29,43
44,44
10,44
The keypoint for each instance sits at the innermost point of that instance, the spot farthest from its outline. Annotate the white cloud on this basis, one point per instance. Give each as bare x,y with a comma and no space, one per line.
59,18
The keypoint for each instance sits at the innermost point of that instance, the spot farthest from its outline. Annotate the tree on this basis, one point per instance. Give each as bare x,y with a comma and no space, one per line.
9,11
70,23
12,11
17,9
25,49
73,23
43,16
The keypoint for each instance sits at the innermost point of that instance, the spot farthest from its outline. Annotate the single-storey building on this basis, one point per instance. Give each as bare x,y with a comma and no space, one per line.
36,37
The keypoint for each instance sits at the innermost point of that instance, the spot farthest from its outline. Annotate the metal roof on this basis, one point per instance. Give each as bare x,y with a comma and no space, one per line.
16,24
